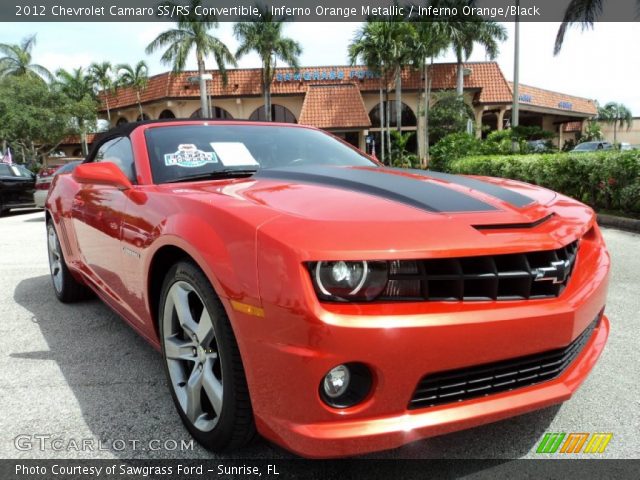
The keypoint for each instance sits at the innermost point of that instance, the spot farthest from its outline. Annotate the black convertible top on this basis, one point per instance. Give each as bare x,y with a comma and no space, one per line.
125,129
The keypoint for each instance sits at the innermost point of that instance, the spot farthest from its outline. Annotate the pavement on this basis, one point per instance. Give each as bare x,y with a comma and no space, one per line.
75,374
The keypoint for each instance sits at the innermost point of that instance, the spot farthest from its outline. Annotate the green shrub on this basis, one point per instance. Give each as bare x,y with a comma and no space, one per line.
604,179
452,147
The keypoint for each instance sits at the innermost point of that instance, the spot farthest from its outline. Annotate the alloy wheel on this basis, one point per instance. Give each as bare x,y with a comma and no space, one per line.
192,356
55,258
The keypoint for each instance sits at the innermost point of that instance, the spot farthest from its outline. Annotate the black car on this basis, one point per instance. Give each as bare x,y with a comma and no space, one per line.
17,185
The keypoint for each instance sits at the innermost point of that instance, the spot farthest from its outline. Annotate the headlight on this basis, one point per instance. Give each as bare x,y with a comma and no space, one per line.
349,280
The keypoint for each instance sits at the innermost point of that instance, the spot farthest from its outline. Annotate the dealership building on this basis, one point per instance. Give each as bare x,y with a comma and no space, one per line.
345,100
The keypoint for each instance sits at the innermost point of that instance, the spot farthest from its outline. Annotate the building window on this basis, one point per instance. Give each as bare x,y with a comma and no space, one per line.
121,121
166,114
144,116
218,113
408,117
278,114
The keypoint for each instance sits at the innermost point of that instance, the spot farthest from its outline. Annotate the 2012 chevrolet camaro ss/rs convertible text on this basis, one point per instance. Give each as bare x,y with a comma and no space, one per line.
301,290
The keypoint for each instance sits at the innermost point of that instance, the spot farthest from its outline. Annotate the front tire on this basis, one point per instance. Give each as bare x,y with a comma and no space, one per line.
66,288
202,361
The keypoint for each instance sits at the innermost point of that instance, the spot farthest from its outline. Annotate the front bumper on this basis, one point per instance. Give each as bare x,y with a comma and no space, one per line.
351,437
288,352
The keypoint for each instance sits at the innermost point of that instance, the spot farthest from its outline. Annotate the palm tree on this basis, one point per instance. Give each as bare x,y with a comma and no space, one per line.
265,37
579,11
135,77
192,32
368,46
430,41
616,114
401,40
464,31
385,47
102,79
77,86
17,60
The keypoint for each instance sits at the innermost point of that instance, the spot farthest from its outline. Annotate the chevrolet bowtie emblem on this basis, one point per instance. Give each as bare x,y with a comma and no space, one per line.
556,273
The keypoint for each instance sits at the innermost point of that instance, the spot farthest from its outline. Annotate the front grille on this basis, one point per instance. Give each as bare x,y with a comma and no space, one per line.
483,380
513,276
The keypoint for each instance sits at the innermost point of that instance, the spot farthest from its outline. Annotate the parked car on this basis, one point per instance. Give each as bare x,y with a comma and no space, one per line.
16,187
627,146
44,179
539,146
592,146
298,288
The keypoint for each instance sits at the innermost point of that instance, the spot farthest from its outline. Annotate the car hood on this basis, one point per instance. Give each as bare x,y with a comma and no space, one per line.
311,206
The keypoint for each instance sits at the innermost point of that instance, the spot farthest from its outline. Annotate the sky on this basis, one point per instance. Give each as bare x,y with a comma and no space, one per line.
600,63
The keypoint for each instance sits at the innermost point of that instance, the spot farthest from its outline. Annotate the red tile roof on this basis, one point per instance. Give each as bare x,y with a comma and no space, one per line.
334,106
75,139
558,101
486,77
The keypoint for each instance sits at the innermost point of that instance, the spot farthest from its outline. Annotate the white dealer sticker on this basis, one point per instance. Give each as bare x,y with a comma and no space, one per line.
189,156
233,154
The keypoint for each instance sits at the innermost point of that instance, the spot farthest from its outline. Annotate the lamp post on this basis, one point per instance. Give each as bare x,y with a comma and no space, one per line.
515,107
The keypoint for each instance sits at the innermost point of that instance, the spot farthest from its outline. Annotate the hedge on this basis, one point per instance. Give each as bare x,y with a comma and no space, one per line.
608,180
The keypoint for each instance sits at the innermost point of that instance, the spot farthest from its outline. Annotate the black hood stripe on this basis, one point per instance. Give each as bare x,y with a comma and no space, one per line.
427,196
514,198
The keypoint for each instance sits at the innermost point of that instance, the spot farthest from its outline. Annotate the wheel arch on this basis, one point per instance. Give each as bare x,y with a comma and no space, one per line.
163,259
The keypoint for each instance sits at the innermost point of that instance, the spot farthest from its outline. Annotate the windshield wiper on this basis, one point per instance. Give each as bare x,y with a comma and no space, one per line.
226,173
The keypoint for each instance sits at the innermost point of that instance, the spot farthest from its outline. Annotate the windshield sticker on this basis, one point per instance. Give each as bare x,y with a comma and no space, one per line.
233,154
189,156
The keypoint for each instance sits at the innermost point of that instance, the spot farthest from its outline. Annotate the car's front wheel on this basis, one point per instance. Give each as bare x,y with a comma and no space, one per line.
202,361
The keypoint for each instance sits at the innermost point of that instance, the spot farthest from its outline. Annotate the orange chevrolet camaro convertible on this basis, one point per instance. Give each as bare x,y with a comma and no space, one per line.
300,290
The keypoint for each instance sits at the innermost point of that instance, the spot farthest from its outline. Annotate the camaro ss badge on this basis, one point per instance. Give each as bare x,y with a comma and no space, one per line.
189,156
556,273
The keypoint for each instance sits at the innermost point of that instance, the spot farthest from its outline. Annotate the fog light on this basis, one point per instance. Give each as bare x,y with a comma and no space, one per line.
337,381
346,385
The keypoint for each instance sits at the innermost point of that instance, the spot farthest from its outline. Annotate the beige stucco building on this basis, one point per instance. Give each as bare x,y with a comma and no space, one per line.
345,100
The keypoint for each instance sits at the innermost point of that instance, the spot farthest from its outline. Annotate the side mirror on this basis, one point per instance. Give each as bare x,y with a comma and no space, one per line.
101,173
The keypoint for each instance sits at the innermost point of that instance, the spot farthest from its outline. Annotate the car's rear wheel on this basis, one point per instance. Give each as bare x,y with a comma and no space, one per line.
202,361
66,288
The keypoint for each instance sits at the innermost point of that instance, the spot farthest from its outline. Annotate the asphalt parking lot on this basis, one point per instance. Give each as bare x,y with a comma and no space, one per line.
80,373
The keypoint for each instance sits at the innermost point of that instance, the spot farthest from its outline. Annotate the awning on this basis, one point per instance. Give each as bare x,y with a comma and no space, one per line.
334,107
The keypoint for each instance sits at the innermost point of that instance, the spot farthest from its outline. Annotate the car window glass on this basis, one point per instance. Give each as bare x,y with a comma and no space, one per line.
119,152
180,151
21,171
5,170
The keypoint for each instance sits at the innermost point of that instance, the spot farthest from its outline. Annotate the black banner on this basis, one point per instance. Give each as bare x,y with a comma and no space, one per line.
299,10
321,469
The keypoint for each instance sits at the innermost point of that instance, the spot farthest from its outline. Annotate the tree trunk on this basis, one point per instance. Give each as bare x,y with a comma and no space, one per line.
139,105
426,116
382,142
399,99
387,120
460,82
83,137
106,101
266,87
204,98
615,132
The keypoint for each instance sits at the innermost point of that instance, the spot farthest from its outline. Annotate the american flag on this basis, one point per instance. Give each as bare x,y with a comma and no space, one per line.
7,157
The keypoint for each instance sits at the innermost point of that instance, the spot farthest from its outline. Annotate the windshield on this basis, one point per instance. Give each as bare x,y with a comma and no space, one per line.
178,152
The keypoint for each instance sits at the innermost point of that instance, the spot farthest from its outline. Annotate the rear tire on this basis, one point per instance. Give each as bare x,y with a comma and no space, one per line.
66,288
202,361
